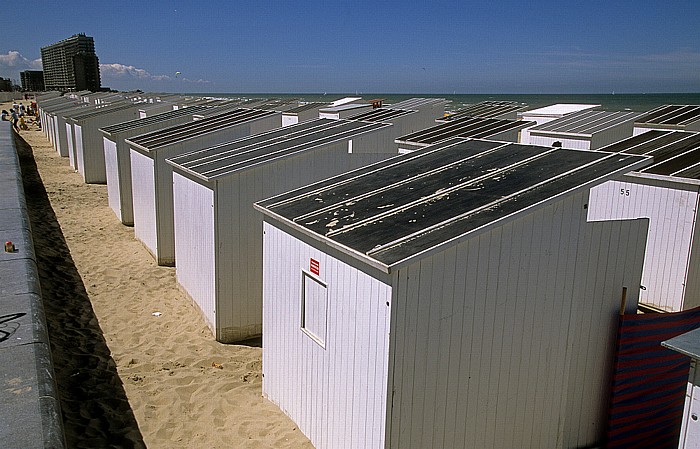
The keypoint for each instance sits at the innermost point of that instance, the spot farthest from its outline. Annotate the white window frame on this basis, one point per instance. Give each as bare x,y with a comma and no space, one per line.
319,339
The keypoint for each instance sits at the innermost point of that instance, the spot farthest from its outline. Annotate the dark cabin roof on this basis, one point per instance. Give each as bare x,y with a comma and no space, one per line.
676,153
486,109
306,107
393,211
138,123
687,344
478,128
380,115
103,110
163,137
417,103
671,115
227,158
585,123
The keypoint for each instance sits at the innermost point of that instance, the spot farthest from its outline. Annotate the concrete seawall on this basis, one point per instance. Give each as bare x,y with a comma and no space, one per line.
29,403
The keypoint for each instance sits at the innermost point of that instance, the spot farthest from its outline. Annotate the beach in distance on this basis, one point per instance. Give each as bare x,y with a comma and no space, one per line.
136,365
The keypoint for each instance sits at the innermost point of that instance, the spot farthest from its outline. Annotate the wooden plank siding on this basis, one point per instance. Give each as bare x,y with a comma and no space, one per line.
114,186
194,244
70,139
162,176
78,148
142,183
337,394
547,141
672,209
514,353
239,260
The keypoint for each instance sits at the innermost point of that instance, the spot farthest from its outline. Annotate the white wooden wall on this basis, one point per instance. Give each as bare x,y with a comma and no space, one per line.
163,175
672,213
112,174
50,124
93,150
93,156
143,188
195,251
336,395
288,120
505,340
46,125
124,170
70,139
79,156
239,247
123,165
575,144
637,130
56,137
62,138
611,135
330,115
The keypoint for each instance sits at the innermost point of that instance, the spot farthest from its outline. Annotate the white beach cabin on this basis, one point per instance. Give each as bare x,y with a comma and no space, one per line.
669,117
584,130
454,297
505,110
550,113
474,127
44,104
87,138
50,105
152,179
56,120
303,113
117,160
344,110
407,116
435,105
668,193
149,109
218,234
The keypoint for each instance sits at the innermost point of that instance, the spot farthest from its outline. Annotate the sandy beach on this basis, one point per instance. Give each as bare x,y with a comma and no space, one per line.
135,364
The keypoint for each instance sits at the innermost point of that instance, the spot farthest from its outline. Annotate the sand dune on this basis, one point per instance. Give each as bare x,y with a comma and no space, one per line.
127,377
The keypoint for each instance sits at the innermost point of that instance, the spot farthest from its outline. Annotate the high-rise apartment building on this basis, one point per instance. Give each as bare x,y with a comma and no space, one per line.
5,85
71,64
32,80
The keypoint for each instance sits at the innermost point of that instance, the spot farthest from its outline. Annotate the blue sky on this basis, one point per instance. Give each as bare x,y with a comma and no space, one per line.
371,46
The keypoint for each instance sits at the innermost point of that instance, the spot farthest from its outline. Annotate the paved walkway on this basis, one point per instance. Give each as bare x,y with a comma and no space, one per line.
29,407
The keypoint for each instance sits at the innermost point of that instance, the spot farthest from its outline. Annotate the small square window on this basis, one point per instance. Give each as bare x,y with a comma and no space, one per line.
314,308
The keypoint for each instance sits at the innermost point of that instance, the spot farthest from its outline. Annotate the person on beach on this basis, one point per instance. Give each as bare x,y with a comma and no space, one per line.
15,119
21,110
5,114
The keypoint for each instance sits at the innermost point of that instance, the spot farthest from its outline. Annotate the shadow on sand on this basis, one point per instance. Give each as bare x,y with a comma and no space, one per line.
96,412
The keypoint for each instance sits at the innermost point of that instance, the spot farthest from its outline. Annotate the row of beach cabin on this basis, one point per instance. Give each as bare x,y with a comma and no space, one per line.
420,279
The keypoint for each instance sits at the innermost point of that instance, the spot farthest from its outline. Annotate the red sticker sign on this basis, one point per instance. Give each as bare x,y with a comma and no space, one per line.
315,267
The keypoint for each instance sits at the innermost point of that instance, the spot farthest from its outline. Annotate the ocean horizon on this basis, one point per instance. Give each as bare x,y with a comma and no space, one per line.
612,101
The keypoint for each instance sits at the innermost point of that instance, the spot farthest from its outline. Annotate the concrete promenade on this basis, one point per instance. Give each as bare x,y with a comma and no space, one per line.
29,404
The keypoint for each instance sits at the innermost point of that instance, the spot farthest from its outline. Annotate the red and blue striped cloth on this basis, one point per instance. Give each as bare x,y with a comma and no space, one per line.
649,382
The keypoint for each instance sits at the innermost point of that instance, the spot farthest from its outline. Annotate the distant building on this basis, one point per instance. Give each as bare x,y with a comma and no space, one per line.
32,80
5,85
71,64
